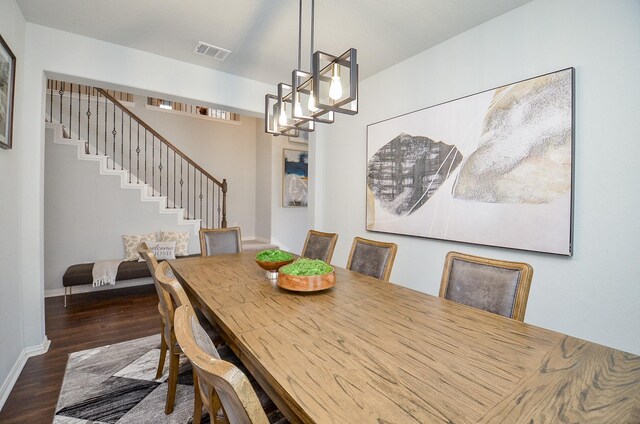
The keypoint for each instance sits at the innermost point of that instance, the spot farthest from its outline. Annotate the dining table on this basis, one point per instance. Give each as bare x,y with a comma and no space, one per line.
368,351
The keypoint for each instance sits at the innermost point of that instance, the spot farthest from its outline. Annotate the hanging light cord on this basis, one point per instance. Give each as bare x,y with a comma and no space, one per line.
299,33
312,34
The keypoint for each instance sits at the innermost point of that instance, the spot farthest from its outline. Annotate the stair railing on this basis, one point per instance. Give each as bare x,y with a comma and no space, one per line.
110,129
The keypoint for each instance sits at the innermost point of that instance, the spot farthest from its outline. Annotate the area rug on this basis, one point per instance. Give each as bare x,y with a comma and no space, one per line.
116,384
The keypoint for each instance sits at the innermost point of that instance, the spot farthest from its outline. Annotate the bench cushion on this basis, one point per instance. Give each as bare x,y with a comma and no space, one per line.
81,274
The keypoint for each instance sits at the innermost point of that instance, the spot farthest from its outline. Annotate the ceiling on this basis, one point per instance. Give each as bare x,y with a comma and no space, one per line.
263,34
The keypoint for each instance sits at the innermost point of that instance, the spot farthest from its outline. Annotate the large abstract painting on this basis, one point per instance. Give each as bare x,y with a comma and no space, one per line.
493,168
295,178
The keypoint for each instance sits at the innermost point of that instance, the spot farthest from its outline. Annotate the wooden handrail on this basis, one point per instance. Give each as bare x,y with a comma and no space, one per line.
161,138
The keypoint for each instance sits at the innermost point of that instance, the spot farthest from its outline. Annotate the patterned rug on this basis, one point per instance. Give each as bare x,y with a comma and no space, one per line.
116,384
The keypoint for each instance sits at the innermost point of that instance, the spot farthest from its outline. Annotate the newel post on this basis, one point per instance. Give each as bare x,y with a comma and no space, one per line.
224,203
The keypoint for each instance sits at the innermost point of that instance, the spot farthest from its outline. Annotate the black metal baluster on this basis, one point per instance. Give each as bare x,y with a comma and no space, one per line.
153,168
114,132
200,198
61,92
106,113
219,196
207,202
144,180
88,114
138,156
51,101
167,176
188,216
181,182
129,149
70,107
122,140
174,179
194,193
160,167
97,118
79,107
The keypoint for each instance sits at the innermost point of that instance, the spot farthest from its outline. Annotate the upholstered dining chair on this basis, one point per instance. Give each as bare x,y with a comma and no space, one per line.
372,258
219,241
319,245
496,286
170,284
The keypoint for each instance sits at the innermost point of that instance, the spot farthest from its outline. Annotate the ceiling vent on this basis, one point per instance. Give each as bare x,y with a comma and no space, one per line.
218,53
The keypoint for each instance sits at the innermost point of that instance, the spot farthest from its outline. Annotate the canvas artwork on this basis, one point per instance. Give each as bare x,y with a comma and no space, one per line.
493,168
295,178
7,81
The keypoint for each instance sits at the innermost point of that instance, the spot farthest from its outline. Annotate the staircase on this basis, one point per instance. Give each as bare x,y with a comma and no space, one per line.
99,124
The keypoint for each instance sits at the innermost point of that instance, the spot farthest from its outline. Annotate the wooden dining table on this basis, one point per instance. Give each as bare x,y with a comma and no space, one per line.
368,351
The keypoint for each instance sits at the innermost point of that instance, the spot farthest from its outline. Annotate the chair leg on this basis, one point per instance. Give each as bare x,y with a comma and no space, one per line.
197,401
163,352
174,364
65,297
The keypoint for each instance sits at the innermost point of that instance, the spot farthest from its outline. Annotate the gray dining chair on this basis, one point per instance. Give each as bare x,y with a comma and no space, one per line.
500,287
372,258
220,241
319,245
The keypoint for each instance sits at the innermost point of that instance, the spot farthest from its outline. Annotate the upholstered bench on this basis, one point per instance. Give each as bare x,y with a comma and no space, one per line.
82,274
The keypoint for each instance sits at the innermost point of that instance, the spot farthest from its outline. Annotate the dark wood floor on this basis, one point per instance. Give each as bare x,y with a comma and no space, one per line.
90,320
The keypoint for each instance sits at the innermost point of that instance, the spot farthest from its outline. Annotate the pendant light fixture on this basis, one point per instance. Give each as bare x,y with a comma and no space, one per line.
330,86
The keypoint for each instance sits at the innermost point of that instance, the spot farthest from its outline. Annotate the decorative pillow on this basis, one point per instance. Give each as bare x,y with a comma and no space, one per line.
162,250
131,244
181,239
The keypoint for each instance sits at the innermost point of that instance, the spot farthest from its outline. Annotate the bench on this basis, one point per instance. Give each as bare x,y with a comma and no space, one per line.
82,274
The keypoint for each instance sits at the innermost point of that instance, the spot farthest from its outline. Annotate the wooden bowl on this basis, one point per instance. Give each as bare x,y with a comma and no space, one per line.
307,283
273,266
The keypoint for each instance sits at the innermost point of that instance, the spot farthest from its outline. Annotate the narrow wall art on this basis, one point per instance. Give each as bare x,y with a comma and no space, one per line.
493,168
7,85
295,178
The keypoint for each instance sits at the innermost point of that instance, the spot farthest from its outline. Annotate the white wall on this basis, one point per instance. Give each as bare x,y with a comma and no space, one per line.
594,294
289,226
263,185
224,150
12,27
57,53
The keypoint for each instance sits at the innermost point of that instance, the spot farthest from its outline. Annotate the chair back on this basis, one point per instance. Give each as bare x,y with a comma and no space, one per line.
168,282
372,258
164,297
500,287
218,380
319,245
219,241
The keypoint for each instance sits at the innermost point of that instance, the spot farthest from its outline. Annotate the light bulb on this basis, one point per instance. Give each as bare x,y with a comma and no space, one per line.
312,103
335,89
282,120
298,110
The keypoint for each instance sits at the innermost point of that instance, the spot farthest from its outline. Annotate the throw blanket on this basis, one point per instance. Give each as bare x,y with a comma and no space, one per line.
104,272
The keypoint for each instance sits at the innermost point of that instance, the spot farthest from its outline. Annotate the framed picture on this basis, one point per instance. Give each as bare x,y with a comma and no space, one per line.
7,85
492,168
295,178
303,138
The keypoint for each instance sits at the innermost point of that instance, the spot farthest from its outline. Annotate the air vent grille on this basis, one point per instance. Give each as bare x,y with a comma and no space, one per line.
218,53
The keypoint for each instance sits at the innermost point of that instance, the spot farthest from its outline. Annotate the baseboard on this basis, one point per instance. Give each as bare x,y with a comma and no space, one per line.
89,288
15,371
262,240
